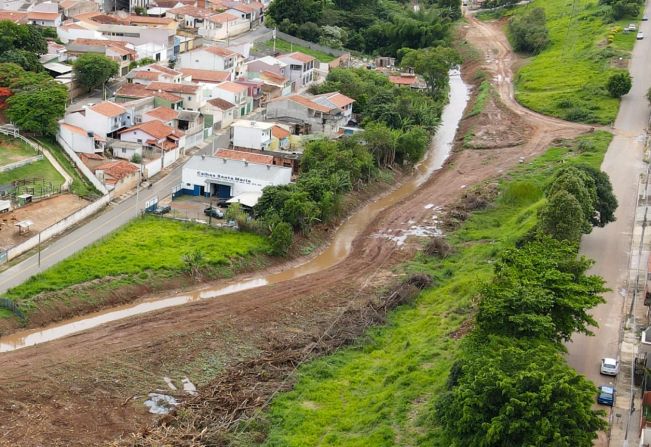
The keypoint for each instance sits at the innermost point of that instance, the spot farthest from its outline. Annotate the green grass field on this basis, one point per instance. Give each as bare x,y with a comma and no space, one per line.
13,150
568,79
283,46
147,245
41,169
381,392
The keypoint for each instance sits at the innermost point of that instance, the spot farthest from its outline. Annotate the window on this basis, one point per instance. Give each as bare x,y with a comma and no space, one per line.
124,151
139,140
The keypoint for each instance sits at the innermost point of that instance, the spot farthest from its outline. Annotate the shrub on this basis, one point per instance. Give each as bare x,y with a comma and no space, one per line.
619,84
529,32
438,247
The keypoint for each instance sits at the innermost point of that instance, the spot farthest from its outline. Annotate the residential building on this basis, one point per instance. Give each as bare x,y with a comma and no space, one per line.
121,52
323,113
280,138
119,176
223,26
44,14
17,17
80,140
268,64
235,94
154,73
104,119
155,136
211,77
191,94
301,68
209,58
221,111
226,178
164,114
71,8
129,92
273,84
254,90
251,135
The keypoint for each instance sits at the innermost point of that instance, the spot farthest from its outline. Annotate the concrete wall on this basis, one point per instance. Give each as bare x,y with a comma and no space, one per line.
81,166
20,163
58,227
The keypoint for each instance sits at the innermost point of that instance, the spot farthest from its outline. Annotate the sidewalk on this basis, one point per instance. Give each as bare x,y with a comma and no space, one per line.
625,415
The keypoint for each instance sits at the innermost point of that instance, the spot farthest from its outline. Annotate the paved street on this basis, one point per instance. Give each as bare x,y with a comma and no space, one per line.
114,217
610,246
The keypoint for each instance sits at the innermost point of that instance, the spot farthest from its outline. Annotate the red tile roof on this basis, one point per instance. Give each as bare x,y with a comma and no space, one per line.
302,57
156,129
118,169
108,108
338,99
279,132
14,16
302,100
75,129
219,51
222,18
147,75
232,87
163,113
206,75
141,91
173,87
251,157
164,69
403,80
274,77
32,15
221,104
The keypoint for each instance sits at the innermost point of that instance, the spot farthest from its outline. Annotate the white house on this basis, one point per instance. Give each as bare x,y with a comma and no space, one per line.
44,14
222,112
79,140
226,178
235,94
192,94
154,133
251,135
324,113
223,25
209,58
103,119
301,68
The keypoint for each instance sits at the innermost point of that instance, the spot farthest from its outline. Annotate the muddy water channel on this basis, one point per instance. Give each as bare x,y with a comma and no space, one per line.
336,251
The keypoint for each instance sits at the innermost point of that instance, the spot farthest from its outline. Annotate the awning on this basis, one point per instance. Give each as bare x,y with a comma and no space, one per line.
248,199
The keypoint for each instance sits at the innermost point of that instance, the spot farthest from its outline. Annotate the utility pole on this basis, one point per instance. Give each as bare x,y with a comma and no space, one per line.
138,190
210,214
39,249
274,36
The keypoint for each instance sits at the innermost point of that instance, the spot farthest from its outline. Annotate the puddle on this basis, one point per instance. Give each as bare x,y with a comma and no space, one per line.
334,253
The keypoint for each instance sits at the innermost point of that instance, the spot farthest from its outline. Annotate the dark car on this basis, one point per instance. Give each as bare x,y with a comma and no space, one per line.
162,209
606,395
213,212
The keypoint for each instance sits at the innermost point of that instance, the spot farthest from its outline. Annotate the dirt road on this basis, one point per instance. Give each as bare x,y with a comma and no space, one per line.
78,390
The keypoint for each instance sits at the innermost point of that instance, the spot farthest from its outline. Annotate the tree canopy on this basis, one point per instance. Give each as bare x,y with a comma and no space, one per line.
93,70
619,84
506,392
433,64
22,45
529,32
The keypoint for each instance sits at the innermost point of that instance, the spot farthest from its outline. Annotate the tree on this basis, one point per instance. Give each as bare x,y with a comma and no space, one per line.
281,238
511,393
28,60
529,32
412,144
433,64
38,108
295,11
21,37
541,290
582,187
93,70
619,84
562,217
381,142
606,202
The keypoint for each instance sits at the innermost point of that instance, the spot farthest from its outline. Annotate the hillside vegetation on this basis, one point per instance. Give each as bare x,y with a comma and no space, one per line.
383,391
568,78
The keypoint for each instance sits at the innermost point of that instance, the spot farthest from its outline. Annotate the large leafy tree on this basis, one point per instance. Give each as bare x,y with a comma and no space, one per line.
433,64
541,290
21,37
529,32
582,186
619,84
606,202
562,217
295,11
512,393
38,107
93,70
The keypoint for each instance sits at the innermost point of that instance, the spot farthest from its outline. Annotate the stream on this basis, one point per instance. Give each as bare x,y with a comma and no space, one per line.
335,252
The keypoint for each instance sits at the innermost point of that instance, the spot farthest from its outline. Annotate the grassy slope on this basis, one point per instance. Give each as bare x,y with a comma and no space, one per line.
147,244
80,185
283,46
568,79
381,392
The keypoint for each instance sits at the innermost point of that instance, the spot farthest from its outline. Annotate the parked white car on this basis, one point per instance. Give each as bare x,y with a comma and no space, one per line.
631,27
609,367
640,35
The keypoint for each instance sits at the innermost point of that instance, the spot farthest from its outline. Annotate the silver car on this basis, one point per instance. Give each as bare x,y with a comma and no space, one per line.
609,367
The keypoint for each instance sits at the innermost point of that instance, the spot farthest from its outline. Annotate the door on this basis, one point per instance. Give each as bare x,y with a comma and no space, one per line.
223,191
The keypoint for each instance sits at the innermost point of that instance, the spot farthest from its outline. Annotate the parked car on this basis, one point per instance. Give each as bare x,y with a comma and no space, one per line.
162,209
609,367
645,18
640,35
211,211
631,27
606,395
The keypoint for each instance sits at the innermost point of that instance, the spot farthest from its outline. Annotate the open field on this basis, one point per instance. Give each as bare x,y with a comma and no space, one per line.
146,249
283,46
41,173
13,150
567,79
382,391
